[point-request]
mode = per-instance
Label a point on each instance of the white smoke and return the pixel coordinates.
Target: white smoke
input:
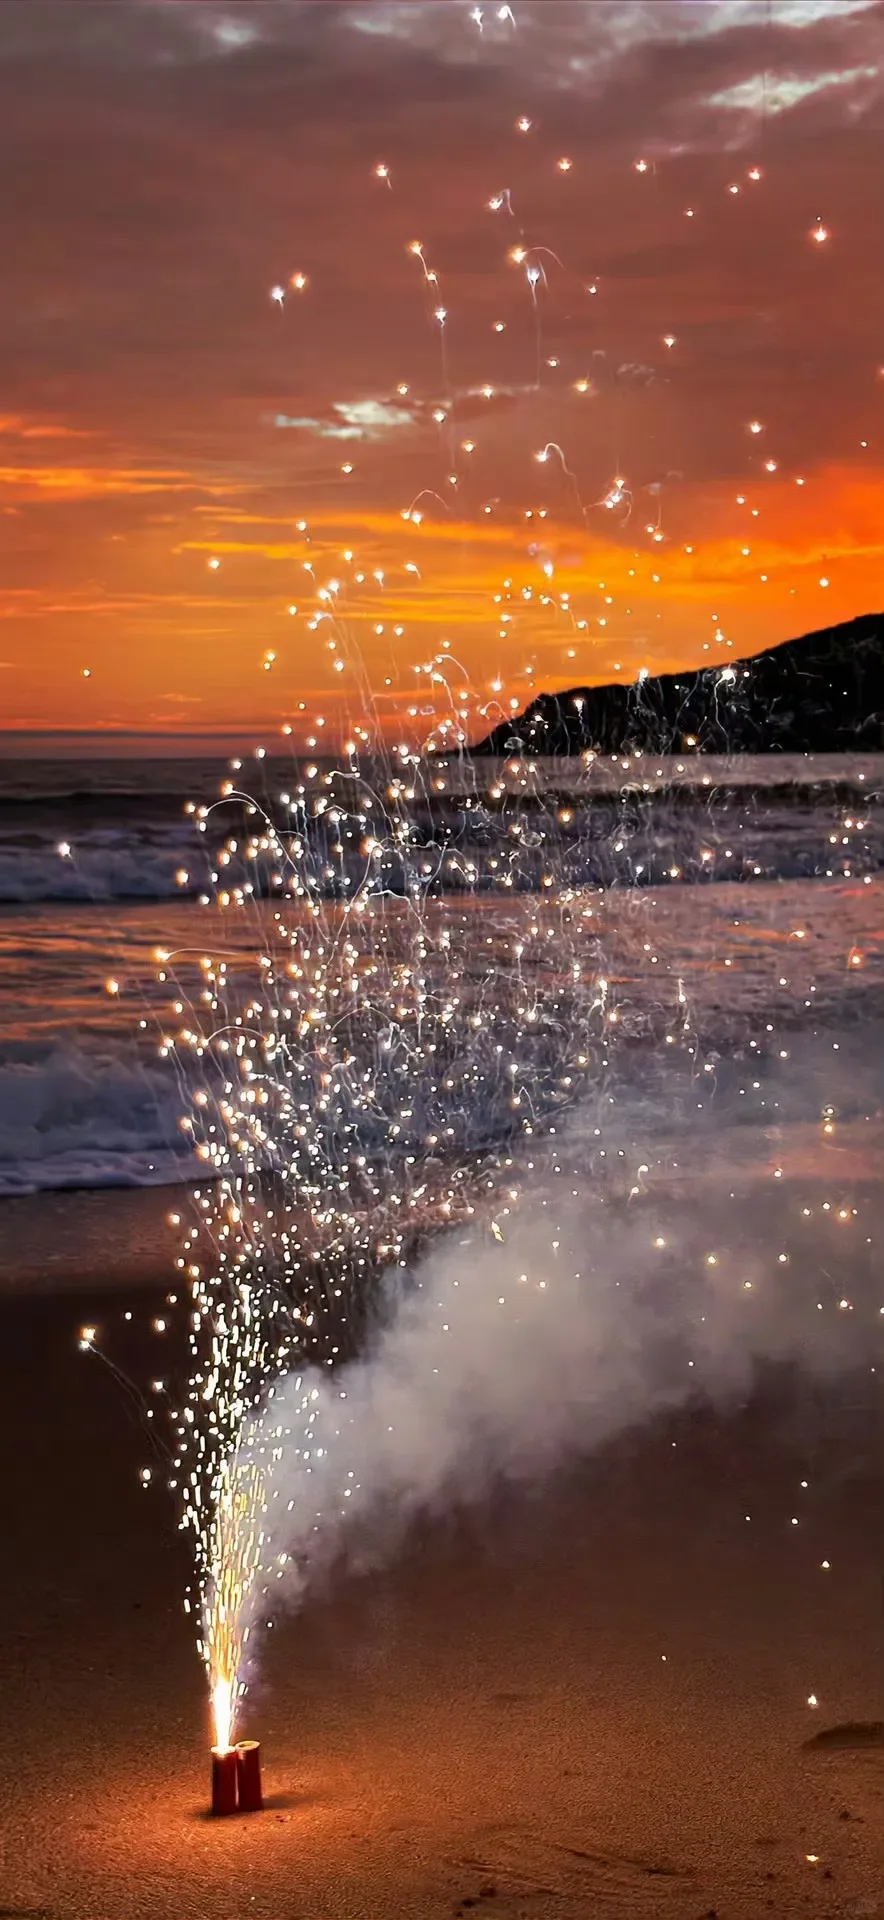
(501, 1361)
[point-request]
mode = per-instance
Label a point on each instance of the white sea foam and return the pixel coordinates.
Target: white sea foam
(76, 1118)
(622, 828)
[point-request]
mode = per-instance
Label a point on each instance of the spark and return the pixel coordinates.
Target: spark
(415, 247)
(252, 1321)
(339, 1084)
(616, 496)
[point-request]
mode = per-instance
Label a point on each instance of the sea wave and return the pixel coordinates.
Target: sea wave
(606, 840)
(75, 1115)
(72, 1117)
(101, 866)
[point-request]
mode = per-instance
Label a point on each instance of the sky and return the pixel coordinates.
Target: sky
(379, 365)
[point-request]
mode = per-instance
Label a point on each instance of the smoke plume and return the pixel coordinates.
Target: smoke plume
(499, 1361)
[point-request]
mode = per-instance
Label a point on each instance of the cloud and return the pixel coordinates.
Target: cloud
(564, 46)
(14, 426)
(587, 45)
(374, 417)
(776, 94)
(355, 420)
(230, 35)
(91, 483)
(324, 429)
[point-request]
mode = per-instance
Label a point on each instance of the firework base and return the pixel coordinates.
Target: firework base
(248, 1776)
(225, 1775)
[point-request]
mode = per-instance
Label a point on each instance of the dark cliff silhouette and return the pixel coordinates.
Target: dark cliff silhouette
(823, 693)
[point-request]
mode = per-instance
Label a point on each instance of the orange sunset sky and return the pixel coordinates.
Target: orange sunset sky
(256, 466)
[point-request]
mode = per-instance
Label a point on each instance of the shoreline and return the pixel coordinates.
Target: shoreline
(89, 1239)
(106, 1239)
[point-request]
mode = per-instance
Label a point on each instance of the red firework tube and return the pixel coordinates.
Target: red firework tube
(225, 1772)
(248, 1774)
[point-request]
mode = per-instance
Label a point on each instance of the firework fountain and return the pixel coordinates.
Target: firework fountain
(423, 994)
(369, 1095)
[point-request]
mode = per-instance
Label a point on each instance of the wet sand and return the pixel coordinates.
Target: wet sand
(588, 1701)
(88, 1239)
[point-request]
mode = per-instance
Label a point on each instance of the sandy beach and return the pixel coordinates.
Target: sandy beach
(589, 1699)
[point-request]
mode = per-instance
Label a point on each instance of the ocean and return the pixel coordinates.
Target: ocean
(747, 893)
